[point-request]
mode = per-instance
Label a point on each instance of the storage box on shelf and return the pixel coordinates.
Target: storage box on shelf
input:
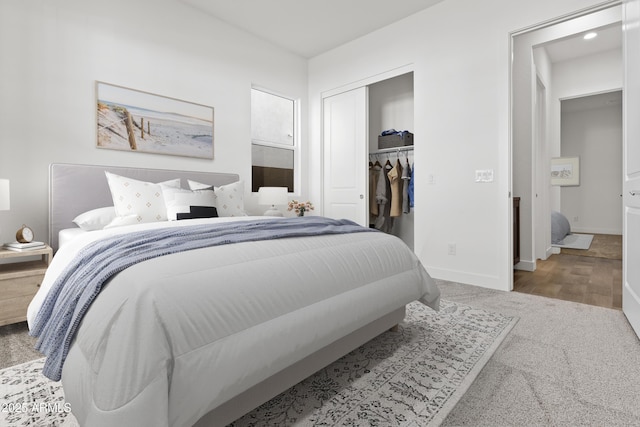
(20, 278)
(395, 140)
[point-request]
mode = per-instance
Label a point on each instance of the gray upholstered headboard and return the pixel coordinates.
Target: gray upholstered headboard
(74, 189)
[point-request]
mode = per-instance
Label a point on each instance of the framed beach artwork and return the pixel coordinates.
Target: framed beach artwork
(131, 120)
(565, 171)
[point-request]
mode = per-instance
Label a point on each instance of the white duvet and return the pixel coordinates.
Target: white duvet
(171, 338)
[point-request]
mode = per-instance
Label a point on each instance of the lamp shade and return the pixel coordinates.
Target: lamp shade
(273, 196)
(5, 199)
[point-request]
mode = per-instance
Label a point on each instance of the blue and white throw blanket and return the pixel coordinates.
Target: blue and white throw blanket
(82, 280)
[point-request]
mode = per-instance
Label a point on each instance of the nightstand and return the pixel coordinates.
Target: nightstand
(19, 281)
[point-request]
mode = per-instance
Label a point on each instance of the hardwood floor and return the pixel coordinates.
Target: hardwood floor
(586, 279)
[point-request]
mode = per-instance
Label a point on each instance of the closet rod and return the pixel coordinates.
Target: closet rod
(393, 150)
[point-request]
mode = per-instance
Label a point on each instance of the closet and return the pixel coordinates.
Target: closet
(352, 120)
(391, 107)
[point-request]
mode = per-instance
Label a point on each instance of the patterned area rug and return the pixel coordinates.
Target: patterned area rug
(410, 377)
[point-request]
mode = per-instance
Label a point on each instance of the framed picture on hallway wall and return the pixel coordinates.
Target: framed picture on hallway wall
(565, 171)
(131, 120)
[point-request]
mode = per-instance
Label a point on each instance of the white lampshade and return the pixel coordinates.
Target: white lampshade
(5, 199)
(273, 196)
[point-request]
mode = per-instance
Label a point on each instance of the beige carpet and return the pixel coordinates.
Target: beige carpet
(603, 246)
(16, 346)
(563, 364)
(409, 377)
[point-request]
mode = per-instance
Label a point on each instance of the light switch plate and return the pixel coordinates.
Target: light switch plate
(484, 175)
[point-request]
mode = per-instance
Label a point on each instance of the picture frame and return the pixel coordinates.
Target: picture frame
(565, 171)
(142, 122)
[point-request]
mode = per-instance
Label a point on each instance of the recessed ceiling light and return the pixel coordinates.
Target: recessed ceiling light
(591, 35)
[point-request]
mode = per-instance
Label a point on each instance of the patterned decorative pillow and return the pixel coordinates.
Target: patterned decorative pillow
(229, 198)
(139, 198)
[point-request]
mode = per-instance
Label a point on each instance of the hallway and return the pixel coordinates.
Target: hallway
(594, 278)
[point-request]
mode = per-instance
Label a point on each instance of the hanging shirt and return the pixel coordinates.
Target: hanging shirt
(374, 176)
(411, 185)
(383, 192)
(395, 181)
(406, 177)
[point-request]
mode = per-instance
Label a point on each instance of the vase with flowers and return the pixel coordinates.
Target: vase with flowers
(300, 207)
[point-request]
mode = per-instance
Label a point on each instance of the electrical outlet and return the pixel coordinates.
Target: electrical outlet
(576, 219)
(452, 248)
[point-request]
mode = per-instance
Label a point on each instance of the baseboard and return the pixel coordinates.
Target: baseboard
(484, 281)
(592, 230)
(554, 250)
(525, 266)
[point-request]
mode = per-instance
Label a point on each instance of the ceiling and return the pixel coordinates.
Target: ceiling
(591, 102)
(609, 37)
(310, 27)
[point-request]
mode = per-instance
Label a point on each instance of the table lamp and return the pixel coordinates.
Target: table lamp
(5, 199)
(273, 196)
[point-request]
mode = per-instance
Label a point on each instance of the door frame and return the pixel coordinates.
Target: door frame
(541, 211)
(395, 72)
(630, 166)
(530, 264)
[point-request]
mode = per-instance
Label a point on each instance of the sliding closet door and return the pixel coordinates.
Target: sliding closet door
(631, 165)
(345, 130)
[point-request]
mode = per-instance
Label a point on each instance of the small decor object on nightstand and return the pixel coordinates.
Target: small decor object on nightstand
(24, 234)
(24, 241)
(300, 207)
(21, 247)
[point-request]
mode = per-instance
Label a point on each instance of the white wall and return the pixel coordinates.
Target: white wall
(460, 55)
(593, 74)
(390, 107)
(595, 135)
(543, 67)
(598, 73)
(52, 53)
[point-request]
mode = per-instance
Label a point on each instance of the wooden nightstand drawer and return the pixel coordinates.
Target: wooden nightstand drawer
(20, 277)
(19, 286)
(14, 309)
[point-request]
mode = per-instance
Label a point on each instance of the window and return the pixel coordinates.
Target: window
(273, 141)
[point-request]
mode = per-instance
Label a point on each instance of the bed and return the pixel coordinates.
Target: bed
(201, 337)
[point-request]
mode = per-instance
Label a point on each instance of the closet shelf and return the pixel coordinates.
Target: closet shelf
(393, 150)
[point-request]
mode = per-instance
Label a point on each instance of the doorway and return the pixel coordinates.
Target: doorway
(591, 130)
(568, 67)
(552, 63)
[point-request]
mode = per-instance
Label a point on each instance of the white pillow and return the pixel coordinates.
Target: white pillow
(195, 185)
(139, 198)
(121, 221)
(229, 198)
(178, 200)
(95, 219)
